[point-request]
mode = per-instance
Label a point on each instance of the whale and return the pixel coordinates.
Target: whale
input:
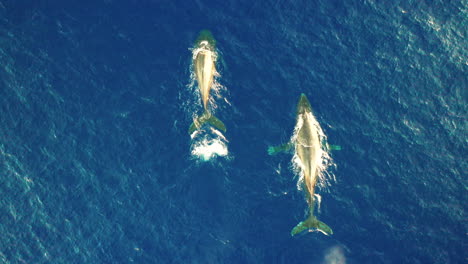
(204, 65)
(307, 147)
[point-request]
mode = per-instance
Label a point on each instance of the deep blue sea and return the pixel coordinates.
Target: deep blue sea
(96, 97)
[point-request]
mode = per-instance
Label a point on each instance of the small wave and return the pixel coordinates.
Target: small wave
(207, 145)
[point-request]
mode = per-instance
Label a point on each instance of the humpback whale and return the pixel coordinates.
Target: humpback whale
(308, 151)
(204, 60)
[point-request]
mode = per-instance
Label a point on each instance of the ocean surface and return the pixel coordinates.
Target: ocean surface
(97, 166)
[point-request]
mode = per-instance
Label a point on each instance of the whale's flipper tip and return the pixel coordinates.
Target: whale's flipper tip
(312, 223)
(273, 150)
(335, 147)
(207, 118)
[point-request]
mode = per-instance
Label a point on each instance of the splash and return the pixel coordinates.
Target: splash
(207, 145)
(195, 52)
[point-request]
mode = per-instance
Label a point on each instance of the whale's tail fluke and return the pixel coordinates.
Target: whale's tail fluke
(207, 117)
(312, 223)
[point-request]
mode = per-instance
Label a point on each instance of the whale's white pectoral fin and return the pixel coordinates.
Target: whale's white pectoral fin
(334, 147)
(331, 147)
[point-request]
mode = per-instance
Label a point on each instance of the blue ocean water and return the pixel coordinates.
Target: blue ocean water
(95, 156)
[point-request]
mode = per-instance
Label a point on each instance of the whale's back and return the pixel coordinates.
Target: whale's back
(308, 150)
(204, 70)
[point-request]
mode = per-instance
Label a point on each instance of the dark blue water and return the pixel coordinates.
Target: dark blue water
(95, 156)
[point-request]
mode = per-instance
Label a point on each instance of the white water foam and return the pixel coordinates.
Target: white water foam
(207, 145)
